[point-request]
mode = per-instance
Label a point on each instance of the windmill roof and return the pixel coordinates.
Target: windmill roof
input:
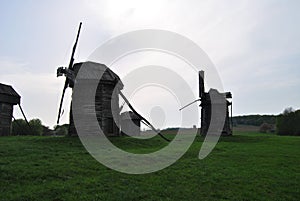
(8, 90)
(8, 94)
(129, 115)
(92, 70)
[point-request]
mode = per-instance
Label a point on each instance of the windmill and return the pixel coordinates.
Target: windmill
(106, 97)
(206, 108)
(8, 98)
(106, 100)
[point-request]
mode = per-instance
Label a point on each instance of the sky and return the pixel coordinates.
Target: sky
(254, 45)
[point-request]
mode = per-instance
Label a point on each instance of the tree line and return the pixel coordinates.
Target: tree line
(287, 123)
(35, 127)
(254, 120)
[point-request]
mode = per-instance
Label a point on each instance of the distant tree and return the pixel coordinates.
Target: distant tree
(36, 127)
(61, 130)
(47, 131)
(20, 127)
(288, 123)
(297, 122)
(288, 110)
(255, 120)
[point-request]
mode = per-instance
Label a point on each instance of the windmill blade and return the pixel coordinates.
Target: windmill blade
(67, 80)
(201, 83)
(74, 48)
(61, 103)
(189, 104)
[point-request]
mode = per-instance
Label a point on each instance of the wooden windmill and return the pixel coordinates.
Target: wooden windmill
(206, 108)
(105, 94)
(106, 98)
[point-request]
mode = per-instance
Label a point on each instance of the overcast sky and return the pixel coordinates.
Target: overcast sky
(254, 45)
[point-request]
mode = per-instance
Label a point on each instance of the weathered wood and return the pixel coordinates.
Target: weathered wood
(206, 108)
(130, 124)
(8, 98)
(106, 98)
(201, 83)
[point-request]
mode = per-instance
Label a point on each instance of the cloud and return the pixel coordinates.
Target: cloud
(9, 66)
(40, 95)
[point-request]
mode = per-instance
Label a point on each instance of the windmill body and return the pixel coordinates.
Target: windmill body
(8, 98)
(206, 108)
(106, 98)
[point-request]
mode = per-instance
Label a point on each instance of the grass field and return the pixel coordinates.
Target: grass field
(246, 166)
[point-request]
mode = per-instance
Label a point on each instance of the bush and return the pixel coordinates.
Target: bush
(265, 128)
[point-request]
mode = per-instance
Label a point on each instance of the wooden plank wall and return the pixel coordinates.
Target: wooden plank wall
(6, 112)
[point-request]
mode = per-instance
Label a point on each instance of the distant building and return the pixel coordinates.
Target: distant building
(8, 98)
(130, 124)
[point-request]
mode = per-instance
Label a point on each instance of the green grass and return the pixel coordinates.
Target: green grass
(246, 166)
